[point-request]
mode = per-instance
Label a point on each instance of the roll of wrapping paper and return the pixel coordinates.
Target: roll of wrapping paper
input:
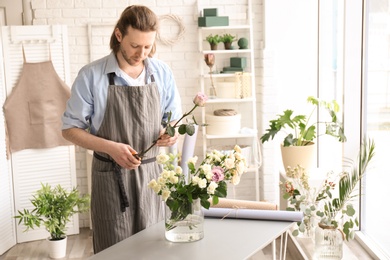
(281, 215)
(244, 204)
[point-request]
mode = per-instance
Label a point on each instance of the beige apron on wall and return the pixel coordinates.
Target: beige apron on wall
(121, 202)
(34, 108)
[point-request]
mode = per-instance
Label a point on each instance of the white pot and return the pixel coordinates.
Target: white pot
(223, 125)
(299, 155)
(57, 248)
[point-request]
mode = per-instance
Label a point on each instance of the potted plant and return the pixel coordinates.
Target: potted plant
(302, 132)
(213, 40)
(227, 40)
(53, 207)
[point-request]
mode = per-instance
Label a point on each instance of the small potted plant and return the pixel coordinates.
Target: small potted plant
(302, 131)
(227, 40)
(53, 207)
(213, 40)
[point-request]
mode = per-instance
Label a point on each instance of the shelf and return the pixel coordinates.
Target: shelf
(229, 100)
(236, 83)
(233, 27)
(231, 136)
(234, 51)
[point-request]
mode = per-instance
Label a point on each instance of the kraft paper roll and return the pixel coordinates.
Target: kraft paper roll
(244, 204)
(280, 215)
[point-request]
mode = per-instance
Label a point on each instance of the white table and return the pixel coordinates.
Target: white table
(223, 239)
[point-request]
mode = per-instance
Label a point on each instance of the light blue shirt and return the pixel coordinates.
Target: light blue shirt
(87, 103)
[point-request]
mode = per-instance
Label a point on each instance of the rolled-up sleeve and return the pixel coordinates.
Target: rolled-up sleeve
(79, 107)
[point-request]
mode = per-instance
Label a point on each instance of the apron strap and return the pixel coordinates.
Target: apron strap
(117, 169)
(111, 78)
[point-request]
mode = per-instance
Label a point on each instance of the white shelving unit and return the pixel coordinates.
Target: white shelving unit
(248, 136)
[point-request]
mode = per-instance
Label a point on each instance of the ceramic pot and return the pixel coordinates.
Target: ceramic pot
(57, 248)
(299, 155)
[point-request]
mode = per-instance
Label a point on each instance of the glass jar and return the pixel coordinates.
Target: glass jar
(186, 227)
(328, 242)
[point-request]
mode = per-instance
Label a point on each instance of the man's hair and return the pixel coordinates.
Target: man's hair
(138, 17)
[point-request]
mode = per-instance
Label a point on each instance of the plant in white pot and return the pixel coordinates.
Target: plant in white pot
(301, 131)
(53, 207)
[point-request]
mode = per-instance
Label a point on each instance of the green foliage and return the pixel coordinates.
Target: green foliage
(53, 207)
(228, 38)
(341, 205)
(304, 132)
(213, 39)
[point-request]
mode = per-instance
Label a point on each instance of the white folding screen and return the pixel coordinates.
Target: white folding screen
(31, 167)
(7, 224)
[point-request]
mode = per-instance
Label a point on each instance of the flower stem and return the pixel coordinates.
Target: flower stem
(142, 154)
(212, 82)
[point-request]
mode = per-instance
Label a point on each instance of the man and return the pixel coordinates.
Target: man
(121, 101)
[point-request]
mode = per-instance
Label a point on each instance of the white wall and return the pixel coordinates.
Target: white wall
(182, 57)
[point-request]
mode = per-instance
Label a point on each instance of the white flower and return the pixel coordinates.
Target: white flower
(162, 158)
(161, 181)
(238, 156)
(165, 174)
(178, 170)
(154, 186)
(237, 149)
(195, 180)
(207, 171)
(165, 194)
(173, 179)
(193, 160)
(229, 163)
(240, 167)
(202, 183)
(236, 179)
(211, 188)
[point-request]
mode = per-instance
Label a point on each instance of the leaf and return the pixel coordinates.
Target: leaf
(190, 129)
(170, 130)
(182, 129)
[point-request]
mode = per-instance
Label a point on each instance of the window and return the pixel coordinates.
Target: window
(376, 121)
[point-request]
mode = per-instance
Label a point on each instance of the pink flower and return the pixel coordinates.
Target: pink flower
(217, 174)
(200, 99)
(209, 59)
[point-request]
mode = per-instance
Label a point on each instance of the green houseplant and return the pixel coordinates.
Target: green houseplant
(213, 40)
(303, 130)
(227, 40)
(298, 146)
(53, 207)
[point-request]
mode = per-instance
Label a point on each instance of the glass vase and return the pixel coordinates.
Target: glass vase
(328, 242)
(187, 227)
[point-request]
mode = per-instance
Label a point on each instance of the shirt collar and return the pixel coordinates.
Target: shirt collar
(113, 66)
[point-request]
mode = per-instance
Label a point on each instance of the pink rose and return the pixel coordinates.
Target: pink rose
(209, 59)
(200, 99)
(217, 174)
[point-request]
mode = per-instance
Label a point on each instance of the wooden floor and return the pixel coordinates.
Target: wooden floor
(80, 247)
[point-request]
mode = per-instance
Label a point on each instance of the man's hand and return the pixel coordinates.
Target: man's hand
(123, 154)
(166, 140)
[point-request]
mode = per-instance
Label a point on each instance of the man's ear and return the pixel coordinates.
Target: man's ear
(118, 34)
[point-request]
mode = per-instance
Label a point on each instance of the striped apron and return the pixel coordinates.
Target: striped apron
(121, 202)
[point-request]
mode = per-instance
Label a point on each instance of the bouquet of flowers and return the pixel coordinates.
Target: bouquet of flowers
(208, 182)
